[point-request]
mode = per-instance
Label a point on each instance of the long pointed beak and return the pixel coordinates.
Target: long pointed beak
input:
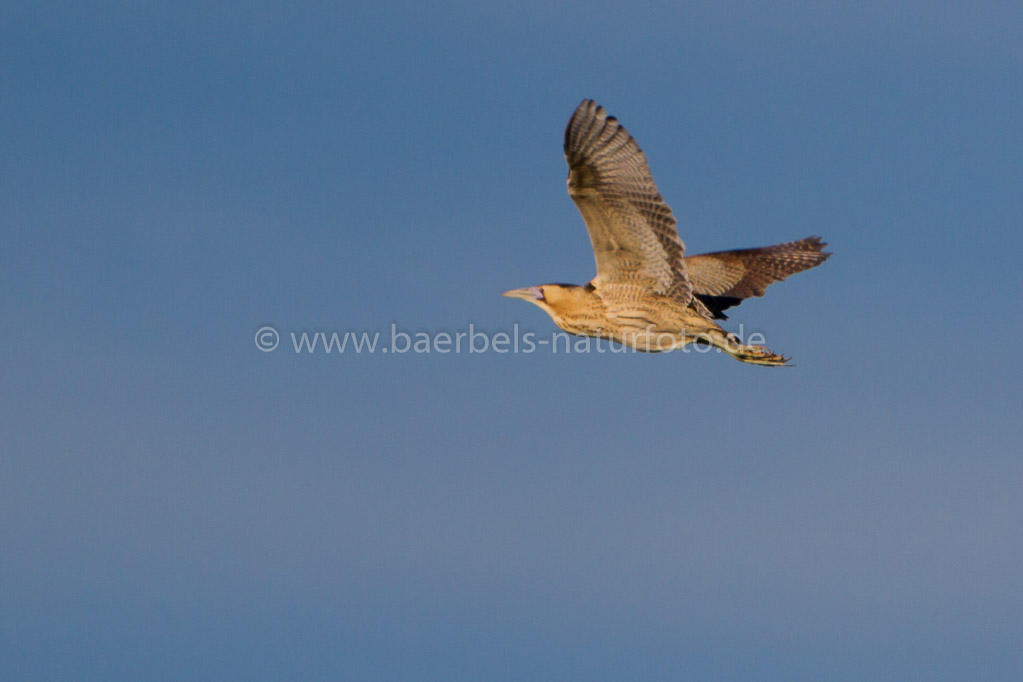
(526, 294)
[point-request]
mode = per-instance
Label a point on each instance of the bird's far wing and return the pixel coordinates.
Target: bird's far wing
(632, 229)
(724, 278)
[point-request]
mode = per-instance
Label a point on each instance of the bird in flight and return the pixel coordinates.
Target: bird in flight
(648, 294)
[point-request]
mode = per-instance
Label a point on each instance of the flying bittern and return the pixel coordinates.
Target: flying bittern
(647, 293)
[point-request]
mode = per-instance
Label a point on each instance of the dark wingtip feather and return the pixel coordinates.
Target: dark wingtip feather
(818, 244)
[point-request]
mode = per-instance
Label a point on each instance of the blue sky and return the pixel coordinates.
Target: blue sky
(176, 504)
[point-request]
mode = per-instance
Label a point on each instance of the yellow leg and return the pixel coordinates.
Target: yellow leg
(729, 343)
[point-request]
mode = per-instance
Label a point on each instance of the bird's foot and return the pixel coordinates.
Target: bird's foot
(759, 355)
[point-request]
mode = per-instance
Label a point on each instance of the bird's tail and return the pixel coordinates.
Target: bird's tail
(730, 343)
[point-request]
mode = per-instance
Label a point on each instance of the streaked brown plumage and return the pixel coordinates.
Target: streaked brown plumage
(647, 293)
(724, 278)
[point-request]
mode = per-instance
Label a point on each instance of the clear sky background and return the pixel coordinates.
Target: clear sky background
(176, 504)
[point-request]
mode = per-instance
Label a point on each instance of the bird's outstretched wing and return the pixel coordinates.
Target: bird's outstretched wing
(724, 278)
(632, 229)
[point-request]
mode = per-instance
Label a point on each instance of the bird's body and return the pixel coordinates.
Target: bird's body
(647, 294)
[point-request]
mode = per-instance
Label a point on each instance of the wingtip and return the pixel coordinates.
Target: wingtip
(821, 245)
(818, 244)
(587, 117)
(587, 107)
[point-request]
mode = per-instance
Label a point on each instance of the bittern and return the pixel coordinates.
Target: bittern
(648, 294)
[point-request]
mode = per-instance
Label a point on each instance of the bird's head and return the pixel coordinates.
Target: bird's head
(561, 301)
